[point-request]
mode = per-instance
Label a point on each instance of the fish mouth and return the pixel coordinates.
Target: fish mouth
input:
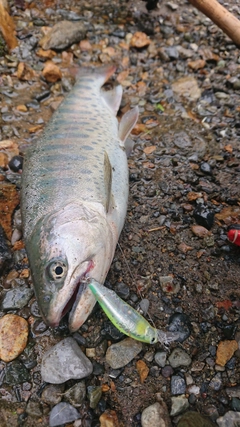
(79, 288)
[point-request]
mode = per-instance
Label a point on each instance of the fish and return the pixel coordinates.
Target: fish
(126, 319)
(74, 196)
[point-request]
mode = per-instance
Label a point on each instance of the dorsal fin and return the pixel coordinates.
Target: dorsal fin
(107, 180)
(113, 98)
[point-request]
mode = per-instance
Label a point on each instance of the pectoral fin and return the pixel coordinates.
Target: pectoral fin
(126, 124)
(107, 180)
(113, 98)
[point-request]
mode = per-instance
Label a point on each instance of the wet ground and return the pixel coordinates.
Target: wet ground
(184, 172)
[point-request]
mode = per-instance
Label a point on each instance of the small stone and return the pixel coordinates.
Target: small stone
(179, 405)
(109, 419)
(200, 231)
(179, 357)
(52, 394)
(51, 72)
(65, 361)
(194, 419)
(172, 52)
(155, 415)
(63, 413)
(16, 373)
(94, 394)
(33, 409)
(167, 371)
(178, 385)
(230, 419)
(13, 336)
(235, 404)
(160, 358)
(225, 351)
(16, 298)
(76, 394)
(203, 216)
(187, 87)
(206, 168)
(168, 285)
(5, 253)
(140, 40)
(216, 382)
(120, 354)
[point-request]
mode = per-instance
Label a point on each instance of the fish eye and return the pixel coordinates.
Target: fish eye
(57, 270)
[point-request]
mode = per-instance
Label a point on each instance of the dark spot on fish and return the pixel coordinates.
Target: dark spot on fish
(86, 147)
(86, 171)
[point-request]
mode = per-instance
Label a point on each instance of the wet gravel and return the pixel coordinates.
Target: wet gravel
(174, 262)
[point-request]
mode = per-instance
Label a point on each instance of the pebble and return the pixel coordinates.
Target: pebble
(76, 394)
(178, 385)
(155, 415)
(230, 419)
(225, 351)
(94, 394)
(206, 168)
(63, 35)
(179, 357)
(203, 216)
(194, 419)
(167, 371)
(16, 298)
(235, 404)
(179, 404)
(109, 419)
(16, 373)
(200, 231)
(179, 322)
(13, 336)
(120, 354)
(160, 358)
(5, 253)
(187, 87)
(216, 382)
(63, 413)
(52, 394)
(16, 163)
(34, 409)
(123, 290)
(65, 361)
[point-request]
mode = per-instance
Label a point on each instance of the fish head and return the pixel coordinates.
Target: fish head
(65, 248)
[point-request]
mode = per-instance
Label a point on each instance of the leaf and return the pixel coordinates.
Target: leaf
(159, 107)
(226, 304)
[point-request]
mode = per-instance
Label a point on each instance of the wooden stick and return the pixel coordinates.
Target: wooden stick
(221, 17)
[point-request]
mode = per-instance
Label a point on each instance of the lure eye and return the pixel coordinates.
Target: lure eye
(57, 270)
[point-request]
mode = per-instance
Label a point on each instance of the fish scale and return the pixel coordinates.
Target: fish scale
(74, 196)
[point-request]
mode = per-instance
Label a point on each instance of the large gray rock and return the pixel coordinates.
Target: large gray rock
(230, 419)
(62, 35)
(65, 361)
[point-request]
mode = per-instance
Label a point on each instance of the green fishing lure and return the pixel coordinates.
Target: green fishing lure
(127, 319)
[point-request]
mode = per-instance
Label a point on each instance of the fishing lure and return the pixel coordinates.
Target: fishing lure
(126, 319)
(234, 234)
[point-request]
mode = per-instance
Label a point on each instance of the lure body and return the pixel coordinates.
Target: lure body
(122, 315)
(234, 234)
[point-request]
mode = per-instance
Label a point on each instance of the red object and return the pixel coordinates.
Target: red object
(234, 234)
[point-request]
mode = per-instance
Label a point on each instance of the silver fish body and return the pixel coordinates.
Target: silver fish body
(74, 197)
